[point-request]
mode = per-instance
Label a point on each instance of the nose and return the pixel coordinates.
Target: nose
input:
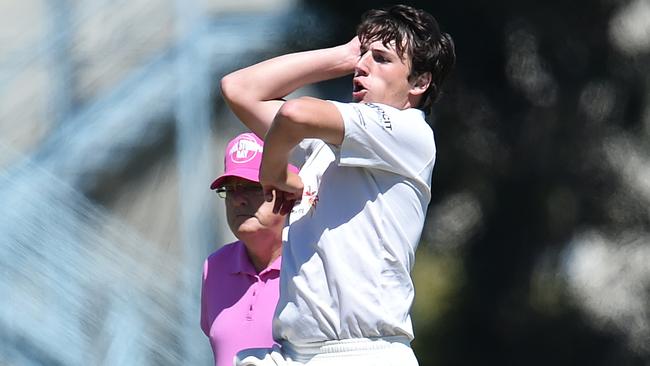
(238, 198)
(361, 68)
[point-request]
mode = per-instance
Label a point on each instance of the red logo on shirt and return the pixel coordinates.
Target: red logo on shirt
(312, 197)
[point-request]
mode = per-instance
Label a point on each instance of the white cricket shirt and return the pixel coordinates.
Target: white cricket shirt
(350, 245)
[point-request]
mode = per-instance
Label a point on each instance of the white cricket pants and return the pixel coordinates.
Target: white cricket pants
(386, 351)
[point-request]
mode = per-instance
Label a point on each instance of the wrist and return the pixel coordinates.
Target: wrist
(348, 56)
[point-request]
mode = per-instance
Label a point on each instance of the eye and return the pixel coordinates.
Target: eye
(252, 189)
(378, 57)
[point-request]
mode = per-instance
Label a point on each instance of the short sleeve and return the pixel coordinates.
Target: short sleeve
(382, 137)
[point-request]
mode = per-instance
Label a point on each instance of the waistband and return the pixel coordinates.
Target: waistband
(344, 345)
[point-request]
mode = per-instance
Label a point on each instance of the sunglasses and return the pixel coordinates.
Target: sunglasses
(248, 189)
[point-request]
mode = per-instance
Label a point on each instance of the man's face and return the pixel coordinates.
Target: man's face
(381, 76)
(248, 214)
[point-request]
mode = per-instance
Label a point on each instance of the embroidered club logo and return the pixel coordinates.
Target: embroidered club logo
(244, 150)
(312, 199)
(307, 203)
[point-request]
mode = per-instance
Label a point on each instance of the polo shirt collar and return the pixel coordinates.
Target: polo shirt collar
(242, 264)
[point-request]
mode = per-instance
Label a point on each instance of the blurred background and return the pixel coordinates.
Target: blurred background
(536, 249)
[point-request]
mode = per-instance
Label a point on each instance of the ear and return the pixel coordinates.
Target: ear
(421, 83)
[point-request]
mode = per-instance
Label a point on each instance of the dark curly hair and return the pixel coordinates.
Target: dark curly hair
(416, 34)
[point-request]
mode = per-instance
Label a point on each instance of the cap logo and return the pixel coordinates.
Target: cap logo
(244, 150)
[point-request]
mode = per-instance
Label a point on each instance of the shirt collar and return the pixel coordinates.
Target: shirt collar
(242, 264)
(415, 111)
(275, 265)
(418, 112)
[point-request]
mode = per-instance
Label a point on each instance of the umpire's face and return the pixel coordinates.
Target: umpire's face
(250, 217)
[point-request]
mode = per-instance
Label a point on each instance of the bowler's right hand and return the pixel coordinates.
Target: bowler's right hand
(288, 189)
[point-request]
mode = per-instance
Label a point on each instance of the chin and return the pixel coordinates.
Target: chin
(246, 226)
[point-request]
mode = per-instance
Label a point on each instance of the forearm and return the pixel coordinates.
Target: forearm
(279, 76)
(282, 136)
(254, 93)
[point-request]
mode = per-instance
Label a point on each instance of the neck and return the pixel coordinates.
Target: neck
(262, 254)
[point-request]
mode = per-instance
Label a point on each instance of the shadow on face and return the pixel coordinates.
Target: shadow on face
(247, 212)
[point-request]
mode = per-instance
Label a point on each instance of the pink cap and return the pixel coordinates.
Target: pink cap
(243, 157)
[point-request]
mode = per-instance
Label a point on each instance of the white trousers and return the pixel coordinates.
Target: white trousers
(386, 351)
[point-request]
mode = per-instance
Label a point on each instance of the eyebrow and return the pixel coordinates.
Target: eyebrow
(382, 52)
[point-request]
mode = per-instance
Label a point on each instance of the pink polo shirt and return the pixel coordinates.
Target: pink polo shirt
(237, 304)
